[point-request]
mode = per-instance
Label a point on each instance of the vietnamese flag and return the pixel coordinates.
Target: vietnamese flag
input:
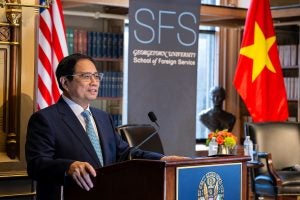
(258, 77)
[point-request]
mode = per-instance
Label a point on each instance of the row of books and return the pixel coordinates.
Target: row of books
(111, 106)
(292, 88)
(111, 85)
(95, 44)
(289, 55)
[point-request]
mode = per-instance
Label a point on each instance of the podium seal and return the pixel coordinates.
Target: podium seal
(211, 187)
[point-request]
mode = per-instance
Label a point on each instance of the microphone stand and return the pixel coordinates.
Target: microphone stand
(139, 145)
(130, 150)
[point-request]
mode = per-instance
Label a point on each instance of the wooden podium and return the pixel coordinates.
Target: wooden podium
(159, 180)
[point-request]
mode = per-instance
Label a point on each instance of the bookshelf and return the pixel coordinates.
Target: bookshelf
(288, 47)
(102, 39)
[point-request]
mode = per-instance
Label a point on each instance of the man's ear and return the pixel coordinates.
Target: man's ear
(64, 82)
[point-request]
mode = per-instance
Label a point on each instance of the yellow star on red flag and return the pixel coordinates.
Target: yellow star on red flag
(258, 51)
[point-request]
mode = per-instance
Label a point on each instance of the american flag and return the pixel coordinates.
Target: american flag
(52, 48)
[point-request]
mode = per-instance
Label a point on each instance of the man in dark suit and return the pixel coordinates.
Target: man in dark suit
(58, 148)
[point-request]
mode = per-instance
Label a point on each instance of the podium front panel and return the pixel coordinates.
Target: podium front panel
(220, 181)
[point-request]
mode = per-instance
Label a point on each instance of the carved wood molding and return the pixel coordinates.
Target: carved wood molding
(4, 34)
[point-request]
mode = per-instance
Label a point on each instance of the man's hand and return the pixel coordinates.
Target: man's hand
(174, 158)
(80, 172)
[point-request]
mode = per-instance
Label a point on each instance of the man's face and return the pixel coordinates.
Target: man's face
(217, 98)
(82, 90)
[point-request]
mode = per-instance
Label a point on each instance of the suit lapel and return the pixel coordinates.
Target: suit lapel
(72, 122)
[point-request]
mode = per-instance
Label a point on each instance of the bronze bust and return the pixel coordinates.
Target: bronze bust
(216, 118)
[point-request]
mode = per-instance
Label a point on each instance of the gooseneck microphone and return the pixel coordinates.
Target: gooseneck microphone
(153, 118)
(129, 151)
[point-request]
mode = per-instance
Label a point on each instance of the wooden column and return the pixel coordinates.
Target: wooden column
(13, 14)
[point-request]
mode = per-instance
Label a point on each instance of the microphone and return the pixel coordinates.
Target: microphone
(153, 118)
(129, 151)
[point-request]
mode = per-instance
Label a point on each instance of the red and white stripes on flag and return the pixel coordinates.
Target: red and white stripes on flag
(52, 48)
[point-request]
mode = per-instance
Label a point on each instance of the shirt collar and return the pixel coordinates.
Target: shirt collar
(76, 108)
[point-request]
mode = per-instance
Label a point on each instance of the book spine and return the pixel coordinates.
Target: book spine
(68, 39)
(115, 47)
(94, 44)
(120, 92)
(104, 45)
(90, 43)
(84, 42)
(75, 47)
(109, 45)
(80, 41)
(109, 84)
(99, 44)
(71, 41)
(120, 45)
(114, 79)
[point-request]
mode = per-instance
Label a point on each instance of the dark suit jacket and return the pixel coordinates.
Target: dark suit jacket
(56, 138)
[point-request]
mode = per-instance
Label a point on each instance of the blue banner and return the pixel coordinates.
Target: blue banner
(210, 182)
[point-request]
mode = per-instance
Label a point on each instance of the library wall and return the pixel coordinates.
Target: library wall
(26, 80)
(102, 39)
(13, 175)
(288, 48)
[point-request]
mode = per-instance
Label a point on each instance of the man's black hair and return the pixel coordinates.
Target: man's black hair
(67, 66)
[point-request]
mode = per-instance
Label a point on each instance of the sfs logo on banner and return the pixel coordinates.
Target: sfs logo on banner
(147, 33)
